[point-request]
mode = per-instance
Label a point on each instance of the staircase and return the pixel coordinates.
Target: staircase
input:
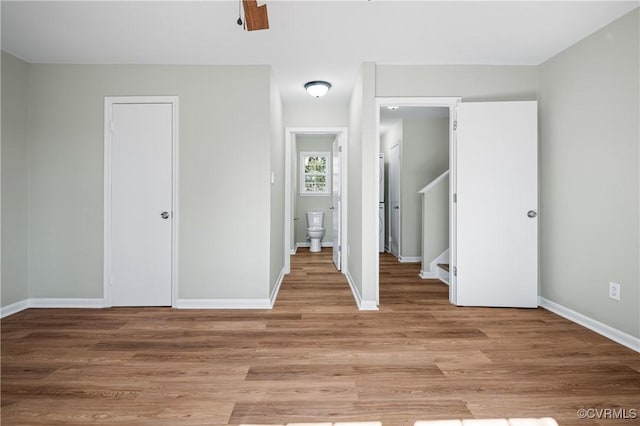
(435, 229)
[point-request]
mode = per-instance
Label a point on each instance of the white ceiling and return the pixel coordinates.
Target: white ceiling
(308, 40)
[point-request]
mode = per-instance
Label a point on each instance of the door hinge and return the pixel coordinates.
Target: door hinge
(339, 248)
(455, 271)
(340, 148)
(112, 126)
(455, 125)
(455, 198)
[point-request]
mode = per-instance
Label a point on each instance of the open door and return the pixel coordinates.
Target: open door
(336, 204)
(496, 204)
(394, 200)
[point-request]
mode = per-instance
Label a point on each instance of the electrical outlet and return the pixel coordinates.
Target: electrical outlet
(614, 291)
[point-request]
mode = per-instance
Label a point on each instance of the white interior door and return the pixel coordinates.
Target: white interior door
(394, 200)
(497, 204)
(336, 202)
(141, 204)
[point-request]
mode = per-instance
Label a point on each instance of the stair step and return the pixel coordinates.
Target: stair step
(444, 266)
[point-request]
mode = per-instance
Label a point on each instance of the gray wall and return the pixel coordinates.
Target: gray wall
(589, 162)
(362, 207)
(305, 203)
(14, 154)
(424, 155)
(354, 186)
(472, 82)
(225, 191)
(318, 114)
(276, 238)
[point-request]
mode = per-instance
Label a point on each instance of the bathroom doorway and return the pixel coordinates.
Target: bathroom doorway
(316, 181)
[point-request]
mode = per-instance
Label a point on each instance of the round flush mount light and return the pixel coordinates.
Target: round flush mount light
(317, 88)
(392, 108)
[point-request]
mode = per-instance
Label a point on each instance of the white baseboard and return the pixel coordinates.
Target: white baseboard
(368, 305)
(363, 305)
(14, 308)
(223, 304)
(276, 288)
(47, 302)
(607, 331)
(409, 259)
(427, 275)
(322, 244)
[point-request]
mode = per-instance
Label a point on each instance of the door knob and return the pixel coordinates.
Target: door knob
(532, 214)
(164, 215)
(331, 208)
(396, 208)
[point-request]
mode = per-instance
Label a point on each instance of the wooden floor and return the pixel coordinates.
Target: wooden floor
(313, 358)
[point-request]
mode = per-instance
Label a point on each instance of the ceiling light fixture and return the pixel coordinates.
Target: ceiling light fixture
(392, 108)
(317, 88)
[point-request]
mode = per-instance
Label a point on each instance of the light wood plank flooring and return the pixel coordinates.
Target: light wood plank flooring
(313, 358)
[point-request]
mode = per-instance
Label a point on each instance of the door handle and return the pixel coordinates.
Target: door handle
(532, 213)
(396, 208)
(164, 215)
(331, 208)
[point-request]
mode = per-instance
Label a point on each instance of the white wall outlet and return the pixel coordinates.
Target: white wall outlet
(614, 291)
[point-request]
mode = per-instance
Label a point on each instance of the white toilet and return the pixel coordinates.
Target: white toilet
(315, 231)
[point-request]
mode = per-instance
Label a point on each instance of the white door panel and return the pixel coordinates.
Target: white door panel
(336, 203)
(394, 200)
(141, 190)
(497, 185)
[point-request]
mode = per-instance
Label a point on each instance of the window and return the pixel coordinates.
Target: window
(314, 173)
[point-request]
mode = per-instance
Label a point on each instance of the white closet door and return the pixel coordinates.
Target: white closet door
(141, 200)
(497, 204)
(394, 200)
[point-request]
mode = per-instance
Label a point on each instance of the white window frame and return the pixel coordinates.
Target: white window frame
(328, 157)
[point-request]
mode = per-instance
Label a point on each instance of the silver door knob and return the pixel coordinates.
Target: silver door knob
(532, 214)
(396, 208)
(331, 208)
(164, 215)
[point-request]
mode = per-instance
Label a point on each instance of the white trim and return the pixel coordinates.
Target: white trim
(450, 102)
(223, 304)
(46, 302)
(427, 275)
(109, 101)
(605, 330)
(409, 259)
(369, 305)
(322, 244)
(276, 289)
(14, 308)
(363, 305)
(434, 182)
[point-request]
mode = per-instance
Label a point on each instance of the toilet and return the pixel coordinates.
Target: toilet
(315, 231)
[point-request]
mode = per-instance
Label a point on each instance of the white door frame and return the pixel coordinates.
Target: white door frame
(399, 171)
(109, 101)
(450, 102)
(290, 134)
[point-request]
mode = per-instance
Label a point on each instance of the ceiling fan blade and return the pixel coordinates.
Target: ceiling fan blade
(255, 16)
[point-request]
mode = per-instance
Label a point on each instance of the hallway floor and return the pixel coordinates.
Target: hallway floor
(313, 358)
